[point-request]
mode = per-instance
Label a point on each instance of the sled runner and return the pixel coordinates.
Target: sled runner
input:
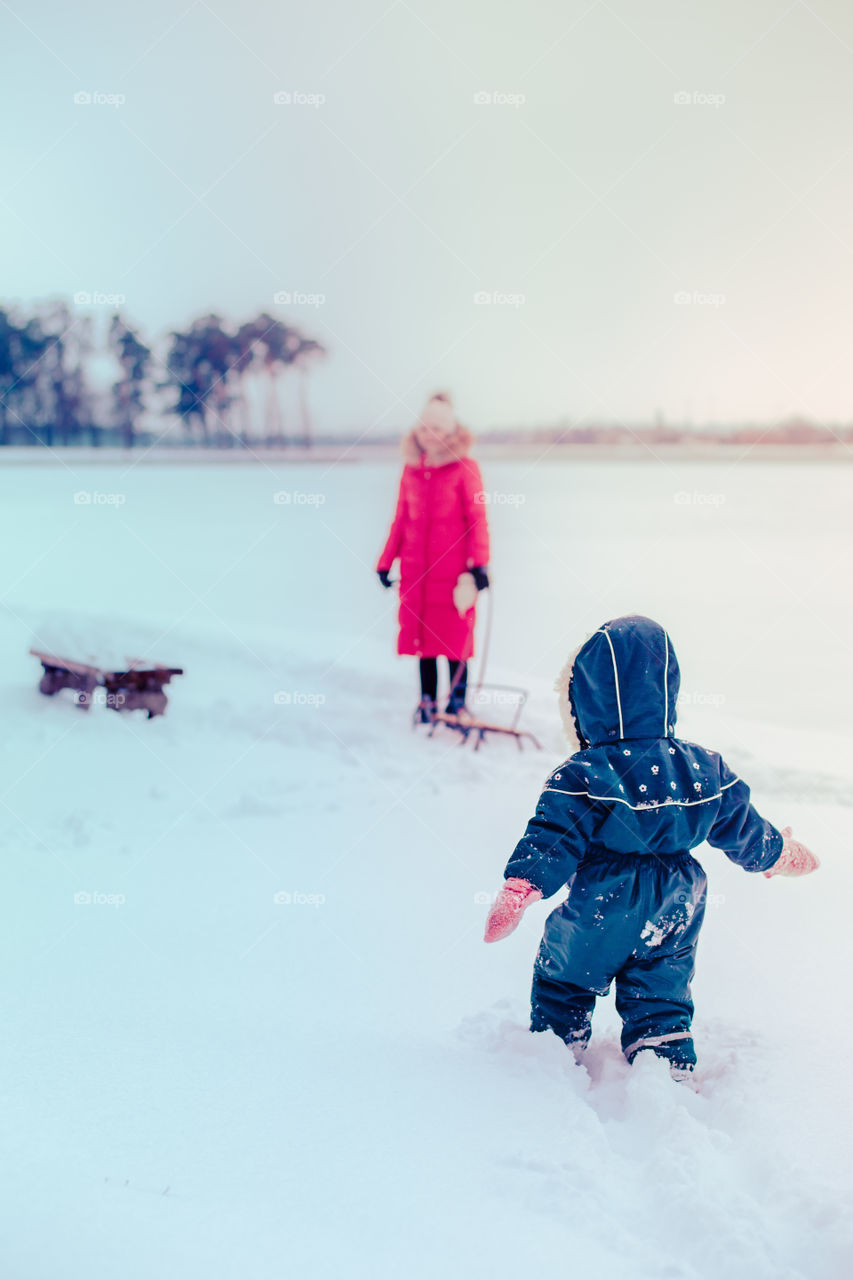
(137, 687)
(468, 725)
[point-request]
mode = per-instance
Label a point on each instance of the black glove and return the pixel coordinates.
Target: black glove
(382, 575)
(481, 578)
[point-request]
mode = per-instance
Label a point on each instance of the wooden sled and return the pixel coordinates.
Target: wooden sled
(468, 725)
(138, 687)
(475, 727)
(62, 673)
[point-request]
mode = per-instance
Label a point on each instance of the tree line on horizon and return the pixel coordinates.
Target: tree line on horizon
(50, 394)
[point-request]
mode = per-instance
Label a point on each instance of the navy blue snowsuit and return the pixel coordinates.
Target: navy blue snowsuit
(616, 822)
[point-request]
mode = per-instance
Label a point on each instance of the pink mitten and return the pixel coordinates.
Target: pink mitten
(794, 860)
(510, 904)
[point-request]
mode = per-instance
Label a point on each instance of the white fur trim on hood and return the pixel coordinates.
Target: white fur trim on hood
(457, 445)
(561, 687)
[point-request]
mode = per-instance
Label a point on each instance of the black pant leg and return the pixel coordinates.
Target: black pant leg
(458, 684)
(563, 1007)
(429, 678)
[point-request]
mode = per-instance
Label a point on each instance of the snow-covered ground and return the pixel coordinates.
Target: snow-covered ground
(272, 1043)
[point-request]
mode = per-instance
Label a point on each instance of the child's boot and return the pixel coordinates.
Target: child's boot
(425, 711)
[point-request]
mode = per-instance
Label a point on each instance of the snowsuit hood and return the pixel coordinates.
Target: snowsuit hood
(621, 683)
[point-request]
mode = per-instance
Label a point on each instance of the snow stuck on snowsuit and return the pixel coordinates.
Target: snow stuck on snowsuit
(616, 822)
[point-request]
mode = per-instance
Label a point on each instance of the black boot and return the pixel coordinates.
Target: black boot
(425, 711)
(458, 687)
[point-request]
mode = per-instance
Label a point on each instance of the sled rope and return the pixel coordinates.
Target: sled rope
(481, 673)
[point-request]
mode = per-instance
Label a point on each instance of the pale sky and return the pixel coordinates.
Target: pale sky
(583, 198)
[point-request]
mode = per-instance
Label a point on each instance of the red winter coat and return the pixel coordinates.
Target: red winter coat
(439, 530)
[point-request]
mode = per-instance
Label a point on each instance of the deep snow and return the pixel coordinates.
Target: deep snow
(202, 1080)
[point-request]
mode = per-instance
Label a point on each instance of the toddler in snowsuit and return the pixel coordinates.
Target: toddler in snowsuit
(617, 822)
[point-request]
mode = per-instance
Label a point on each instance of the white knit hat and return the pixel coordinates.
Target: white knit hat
(438, 413)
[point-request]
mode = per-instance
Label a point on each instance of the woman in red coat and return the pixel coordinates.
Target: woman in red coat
(441, 537)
